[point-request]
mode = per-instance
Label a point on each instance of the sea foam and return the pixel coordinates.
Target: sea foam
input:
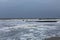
(21, 30)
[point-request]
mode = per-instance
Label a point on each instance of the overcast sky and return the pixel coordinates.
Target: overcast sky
(29, 8)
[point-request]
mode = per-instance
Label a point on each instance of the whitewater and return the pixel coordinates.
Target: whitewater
(22, 30)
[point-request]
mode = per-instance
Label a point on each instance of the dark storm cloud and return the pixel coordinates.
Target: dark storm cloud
(29, 8)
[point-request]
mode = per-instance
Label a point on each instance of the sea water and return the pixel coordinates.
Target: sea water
(21, 30)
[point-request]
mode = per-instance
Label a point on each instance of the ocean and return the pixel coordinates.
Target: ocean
(16, 29)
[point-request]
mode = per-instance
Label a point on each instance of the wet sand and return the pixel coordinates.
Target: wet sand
(53, 38)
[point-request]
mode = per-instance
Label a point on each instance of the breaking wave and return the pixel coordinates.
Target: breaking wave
(21, 30)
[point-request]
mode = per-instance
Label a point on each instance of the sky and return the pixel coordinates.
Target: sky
(29, 8)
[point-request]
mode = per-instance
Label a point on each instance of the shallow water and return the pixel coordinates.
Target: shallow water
(20, 30)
